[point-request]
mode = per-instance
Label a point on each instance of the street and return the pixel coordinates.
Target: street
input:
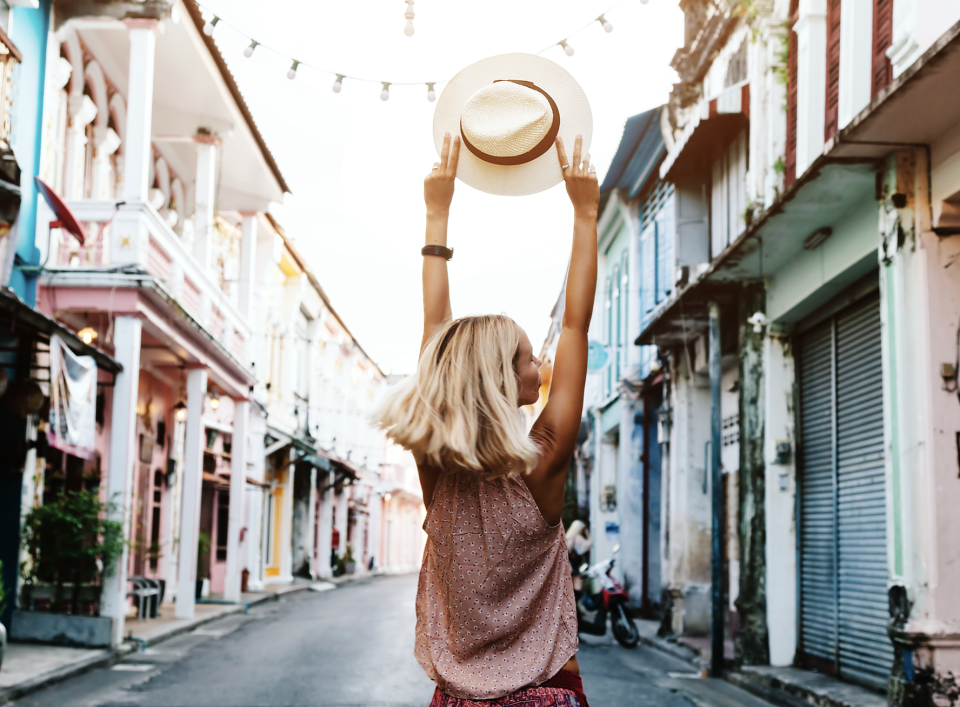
(348, 646)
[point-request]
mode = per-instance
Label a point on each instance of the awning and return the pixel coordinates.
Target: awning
(687, 316)
(25, 318)
(640, 151)
(290, 438)
(719, 121)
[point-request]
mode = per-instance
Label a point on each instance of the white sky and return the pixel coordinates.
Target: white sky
(356, 163)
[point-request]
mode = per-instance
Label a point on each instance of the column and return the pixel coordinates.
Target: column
(137, 148)
(325, 523)
(192, 489)
(82, 112)
(342, 514)
(811, 29)
(286, 524)
(780, 488)
(238, 482)
(128, 233)
(206, 195)
(123, 424)
(921, 416)
(309, 545)
(856, 58)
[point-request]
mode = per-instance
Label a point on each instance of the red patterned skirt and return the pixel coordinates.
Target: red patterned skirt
(565, 689)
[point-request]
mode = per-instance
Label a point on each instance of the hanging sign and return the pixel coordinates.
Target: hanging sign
(597, 357)
(73, 400)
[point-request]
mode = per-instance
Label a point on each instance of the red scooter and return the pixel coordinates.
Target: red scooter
(606, 598)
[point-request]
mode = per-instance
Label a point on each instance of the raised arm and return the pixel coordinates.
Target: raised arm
(438, 193)
(556, 429)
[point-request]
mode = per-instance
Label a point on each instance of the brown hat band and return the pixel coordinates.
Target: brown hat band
(531, 154)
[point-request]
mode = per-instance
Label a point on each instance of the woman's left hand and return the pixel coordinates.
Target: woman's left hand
(438, 185)
(580, 178)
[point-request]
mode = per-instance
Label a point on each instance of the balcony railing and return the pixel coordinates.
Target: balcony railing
(164, 256)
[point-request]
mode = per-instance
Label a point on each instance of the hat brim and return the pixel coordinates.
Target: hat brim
(538, 174)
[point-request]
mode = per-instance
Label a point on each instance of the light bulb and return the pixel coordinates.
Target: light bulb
(566, 47)
(431, 94)
(338, 84)
(248, 52)
(644, 2)
(209, 27)
(607, 27)
(409, 30)
(180, 411)
(87, 334)
(292, 73)
(214, 400)
(385, 93)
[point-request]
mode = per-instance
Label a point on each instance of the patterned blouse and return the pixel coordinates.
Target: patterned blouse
(495, 607)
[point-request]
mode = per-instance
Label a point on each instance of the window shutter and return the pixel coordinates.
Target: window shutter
(882, 39)
(790, 155)
(830, 124)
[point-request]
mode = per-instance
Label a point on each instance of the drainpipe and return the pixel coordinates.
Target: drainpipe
(716, 488)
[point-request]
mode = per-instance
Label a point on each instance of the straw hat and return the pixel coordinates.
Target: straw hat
(508, 110)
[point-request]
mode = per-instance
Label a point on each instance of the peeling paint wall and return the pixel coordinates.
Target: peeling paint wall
(751, 639)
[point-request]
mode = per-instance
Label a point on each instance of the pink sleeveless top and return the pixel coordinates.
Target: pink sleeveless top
(495, 607)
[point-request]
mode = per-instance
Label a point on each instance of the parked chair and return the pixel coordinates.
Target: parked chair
(146, 593)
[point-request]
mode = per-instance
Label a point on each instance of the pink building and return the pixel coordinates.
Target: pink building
(154, 149)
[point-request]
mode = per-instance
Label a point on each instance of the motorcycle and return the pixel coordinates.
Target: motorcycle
(607, 599)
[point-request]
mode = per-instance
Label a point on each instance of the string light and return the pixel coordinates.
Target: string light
(210, 26)
(408, 30)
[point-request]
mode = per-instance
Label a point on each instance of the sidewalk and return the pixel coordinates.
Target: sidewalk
(784, 686)
(29, 667)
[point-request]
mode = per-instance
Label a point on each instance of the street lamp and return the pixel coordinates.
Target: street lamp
(214, 400)
(180, 411)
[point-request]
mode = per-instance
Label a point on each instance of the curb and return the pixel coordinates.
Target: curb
(767, 688)
(105, 658)
(110, 656)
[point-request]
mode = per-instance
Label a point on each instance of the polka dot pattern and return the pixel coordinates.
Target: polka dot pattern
(495, 607)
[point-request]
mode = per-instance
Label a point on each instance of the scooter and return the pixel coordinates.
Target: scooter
(608, 598)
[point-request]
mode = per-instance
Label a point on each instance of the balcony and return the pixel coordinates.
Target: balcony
(133, 237)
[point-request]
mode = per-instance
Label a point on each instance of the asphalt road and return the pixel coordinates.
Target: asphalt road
(349, 646)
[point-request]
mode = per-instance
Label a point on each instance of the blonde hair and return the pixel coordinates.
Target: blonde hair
(460, 407)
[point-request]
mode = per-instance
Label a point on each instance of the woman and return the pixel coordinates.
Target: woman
(495, 607)
(578, 545)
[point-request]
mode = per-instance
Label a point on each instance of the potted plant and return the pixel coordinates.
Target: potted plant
(203, 550)
(348, 562)
(71, 544)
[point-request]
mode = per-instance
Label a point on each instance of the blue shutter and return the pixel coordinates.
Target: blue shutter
(648, 264)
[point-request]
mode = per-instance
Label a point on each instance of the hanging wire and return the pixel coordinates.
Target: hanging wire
(220, 21)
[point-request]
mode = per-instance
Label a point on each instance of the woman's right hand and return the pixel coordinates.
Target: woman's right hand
(438, 185)
(580, 178)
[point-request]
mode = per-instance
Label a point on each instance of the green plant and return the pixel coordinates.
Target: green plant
(780, 166)
(71, 540)
(348, 557)
(782, 68)
(203, 548)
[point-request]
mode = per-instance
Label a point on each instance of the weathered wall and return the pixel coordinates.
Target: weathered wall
(752, 646)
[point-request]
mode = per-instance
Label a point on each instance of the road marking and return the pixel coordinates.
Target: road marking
(211, 633)
(133, 667)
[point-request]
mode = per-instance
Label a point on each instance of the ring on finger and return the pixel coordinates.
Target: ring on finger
(566, 166)
(436, 166)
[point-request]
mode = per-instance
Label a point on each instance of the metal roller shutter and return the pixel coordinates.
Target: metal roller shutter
(843, 549)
